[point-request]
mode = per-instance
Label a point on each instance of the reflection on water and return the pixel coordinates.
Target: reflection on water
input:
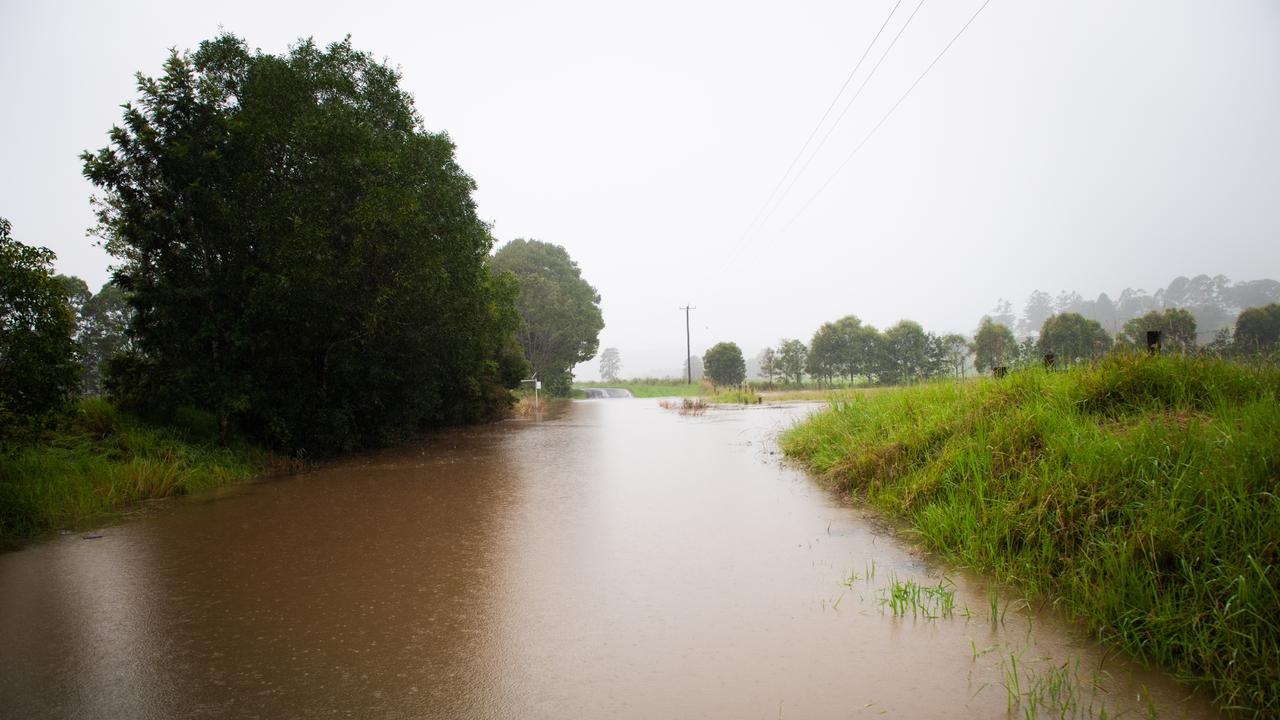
(614, 560)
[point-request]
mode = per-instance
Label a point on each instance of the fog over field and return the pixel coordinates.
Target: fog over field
(676, 149)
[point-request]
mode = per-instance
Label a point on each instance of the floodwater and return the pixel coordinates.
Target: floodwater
(601, 393)
(614, 560)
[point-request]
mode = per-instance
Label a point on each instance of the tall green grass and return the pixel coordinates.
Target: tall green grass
(1141, 493)
(99, 461)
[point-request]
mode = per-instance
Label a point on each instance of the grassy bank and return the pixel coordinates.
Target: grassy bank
(99, 461)
(1140, 493)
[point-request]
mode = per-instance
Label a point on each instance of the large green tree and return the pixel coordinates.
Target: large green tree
(791, 358)
(560, 318)
(1258, 329)
(993, 345)
(844, 348)
(1071, 337)
(1177, 329)
(828, 353)
(723, 364)
(302, 256)
(38, 368)
(909, 353)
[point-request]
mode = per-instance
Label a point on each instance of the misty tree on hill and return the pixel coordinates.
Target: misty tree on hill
(1038, 308)
(610, 364)
(723, 364)
(1214, 302)
(560, 319)
(768, 362)
(38, 368)
(1072, 337)
(1003, 314)
(1258, 329)
(993, 345)
(1177, 329)
(303, 258)
(691, 368)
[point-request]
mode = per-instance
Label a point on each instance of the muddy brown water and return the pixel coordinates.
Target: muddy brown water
(613, 560)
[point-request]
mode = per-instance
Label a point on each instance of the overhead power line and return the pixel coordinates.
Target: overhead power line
(852, 100)
(885, 117)
(826, 113)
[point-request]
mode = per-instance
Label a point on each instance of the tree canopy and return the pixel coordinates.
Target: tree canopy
(993, 345)
(843, 348)
(1258, 329)
(38, 368)
(790, 360)
(724, 365)
(955, 352)
(1072, 337)
(301, 256)
(103, 334)
(1177, 329)
(909, 353)
(560, 318)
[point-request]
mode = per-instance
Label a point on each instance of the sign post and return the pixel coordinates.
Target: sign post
(537, 385)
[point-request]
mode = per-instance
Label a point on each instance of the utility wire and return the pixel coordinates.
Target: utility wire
(813, 133)
(849, 104)
(885, 117)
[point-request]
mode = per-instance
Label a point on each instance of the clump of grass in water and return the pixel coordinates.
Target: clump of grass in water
(1053, 693)
(928, 601)
(1138, 492)
(686, 406)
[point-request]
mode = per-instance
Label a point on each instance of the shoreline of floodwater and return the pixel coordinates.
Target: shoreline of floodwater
(1139, 492)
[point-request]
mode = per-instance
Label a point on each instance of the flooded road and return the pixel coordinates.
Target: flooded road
(615, 560)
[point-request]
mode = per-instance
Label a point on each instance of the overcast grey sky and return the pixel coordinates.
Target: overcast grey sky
(1088, 146)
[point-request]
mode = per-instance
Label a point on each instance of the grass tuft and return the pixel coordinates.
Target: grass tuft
(930, 602)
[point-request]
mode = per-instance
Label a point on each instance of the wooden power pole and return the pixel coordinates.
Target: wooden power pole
(688, 349)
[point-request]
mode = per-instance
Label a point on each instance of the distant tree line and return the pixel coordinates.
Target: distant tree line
(848, 351)
(297, 257)
(1071, 337)
(1214, 302)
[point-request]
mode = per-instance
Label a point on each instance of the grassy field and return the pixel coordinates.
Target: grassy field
(101, 461)
(1141, 493)
(648, 387)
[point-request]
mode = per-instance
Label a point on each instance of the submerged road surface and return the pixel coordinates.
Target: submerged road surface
(594, 393)
(614, 561)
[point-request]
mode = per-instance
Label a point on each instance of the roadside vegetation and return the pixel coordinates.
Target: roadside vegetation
(1139, 492)
(93, 461)
(299, 265)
